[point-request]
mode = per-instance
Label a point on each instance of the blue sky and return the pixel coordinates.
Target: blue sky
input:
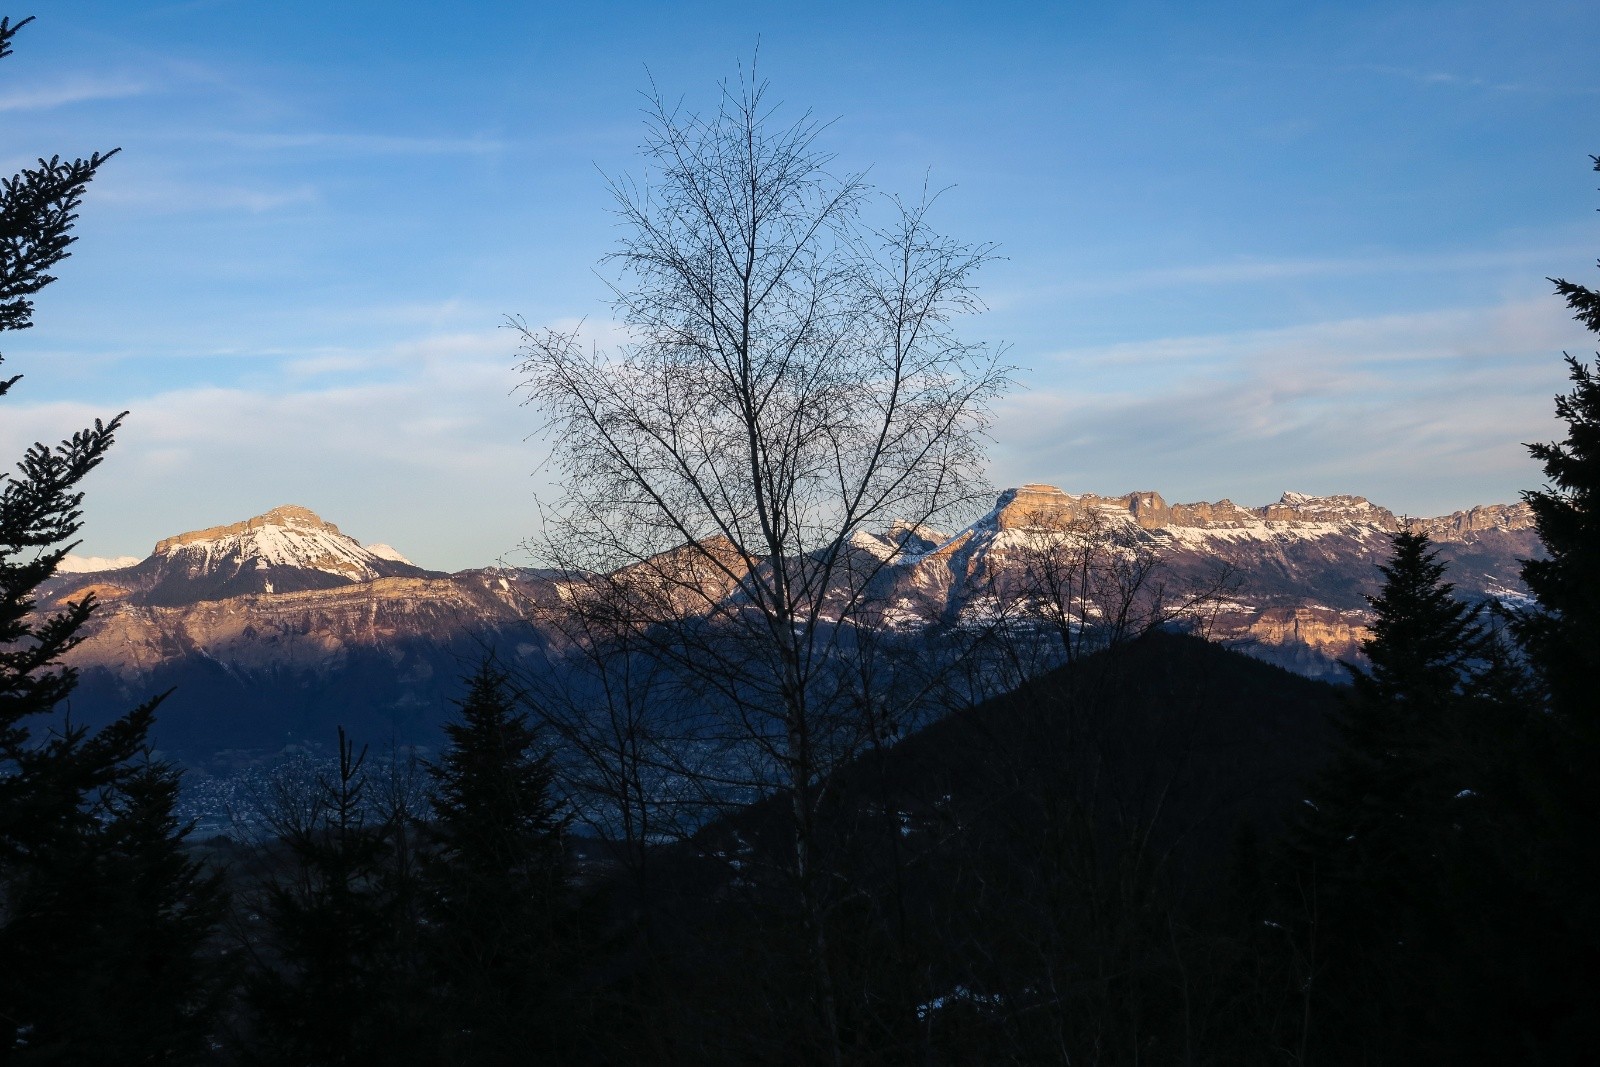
(1249, 246)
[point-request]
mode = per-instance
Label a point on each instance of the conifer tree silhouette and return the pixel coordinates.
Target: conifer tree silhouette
(1563, 635)
(102, 917)
(497, 882)
(334, 983)
(1370, 852)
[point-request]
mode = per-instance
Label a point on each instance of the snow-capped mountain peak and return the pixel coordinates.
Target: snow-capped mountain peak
(285, 550)
(287, 536)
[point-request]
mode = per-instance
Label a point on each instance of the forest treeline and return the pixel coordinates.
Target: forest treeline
(780, 836)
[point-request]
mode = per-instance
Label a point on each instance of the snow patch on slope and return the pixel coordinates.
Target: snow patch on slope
(1266, 530)
(388, 552)
(94, 564)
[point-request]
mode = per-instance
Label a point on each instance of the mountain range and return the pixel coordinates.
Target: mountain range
(273, 629)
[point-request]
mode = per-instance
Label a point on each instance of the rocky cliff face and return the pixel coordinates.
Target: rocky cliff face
(1311, 640)
(281, 624)
(1466, 526)
(1289, 580)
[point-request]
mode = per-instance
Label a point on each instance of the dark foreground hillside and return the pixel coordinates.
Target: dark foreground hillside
(1062, 872)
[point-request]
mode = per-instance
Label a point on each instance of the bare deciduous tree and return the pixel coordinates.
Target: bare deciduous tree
(793, 382)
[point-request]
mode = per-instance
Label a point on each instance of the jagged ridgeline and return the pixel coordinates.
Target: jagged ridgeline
(1290, 578)
(274, 628)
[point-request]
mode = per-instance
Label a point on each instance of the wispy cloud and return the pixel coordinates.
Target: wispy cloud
(360, 143)
(440, 355)
(1428, 77)
(185, 197)
(1254, 271)
(422, 443)
(1424, 412)
(1386, 343)
(430, 457)
(600, 334)
(71, 91)
(1447, 79)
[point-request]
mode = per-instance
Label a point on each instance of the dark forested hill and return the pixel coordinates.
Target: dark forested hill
(1063, 864)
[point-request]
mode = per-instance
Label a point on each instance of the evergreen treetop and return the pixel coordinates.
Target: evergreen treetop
(1562, 636)
(492, 798)
(1423, 639)
(1426, 654)
(496, 878)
